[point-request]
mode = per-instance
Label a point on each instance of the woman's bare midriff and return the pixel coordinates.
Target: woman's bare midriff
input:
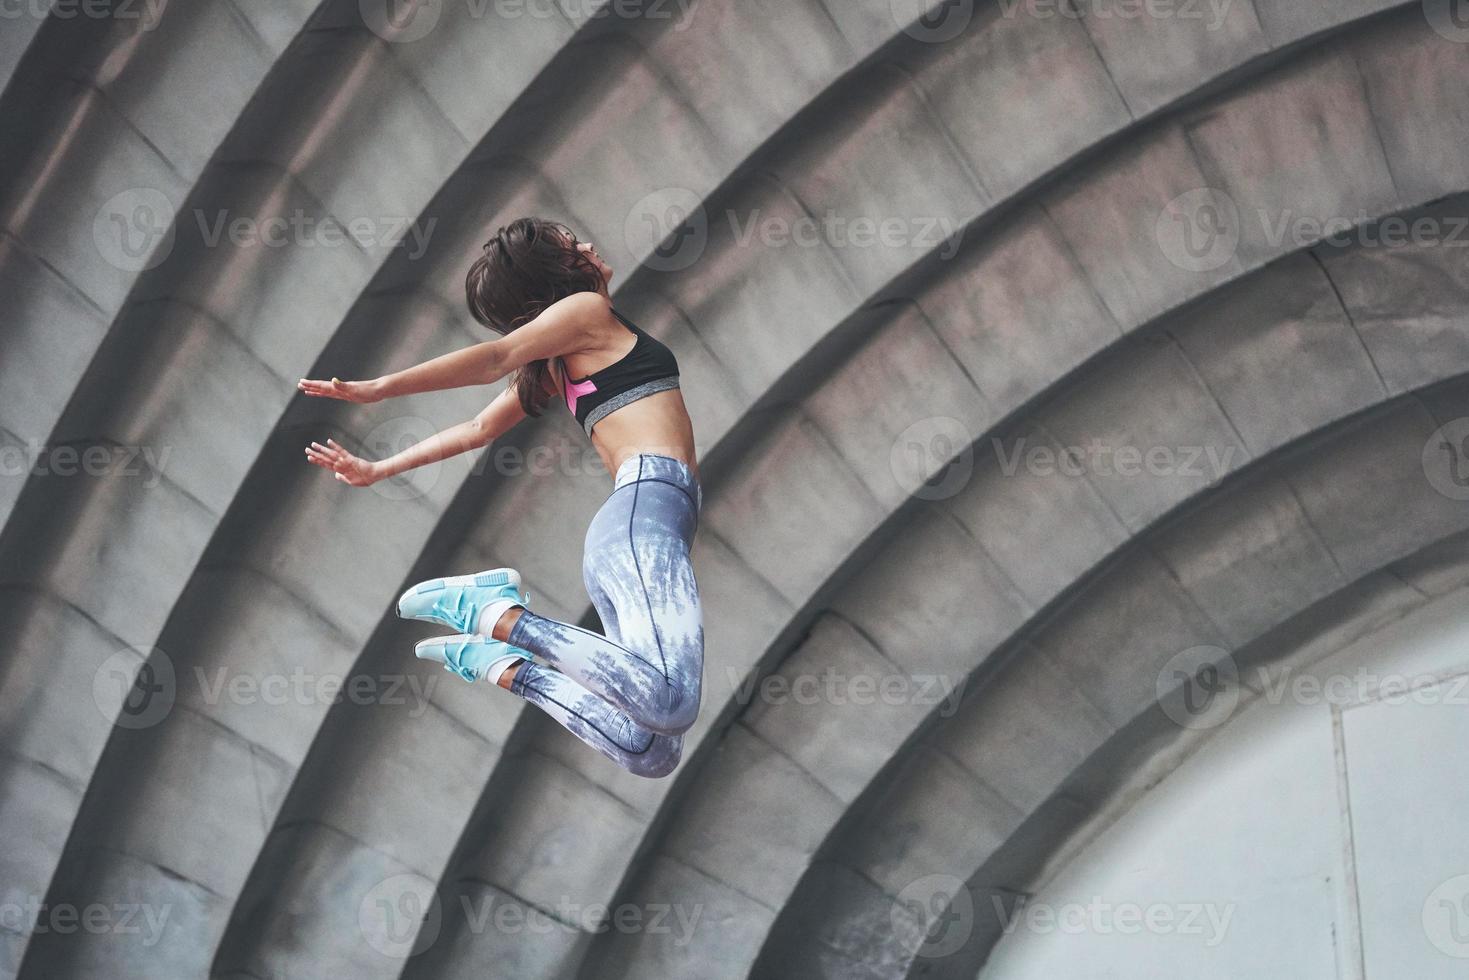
(657, 424)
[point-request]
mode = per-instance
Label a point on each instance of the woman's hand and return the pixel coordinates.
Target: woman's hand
(362, 392)
(351, 470)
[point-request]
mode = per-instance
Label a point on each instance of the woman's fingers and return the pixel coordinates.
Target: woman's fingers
(332, 456)
(329, 456)
(335, 388)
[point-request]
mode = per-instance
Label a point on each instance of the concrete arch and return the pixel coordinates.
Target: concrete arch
(984, 538)
(1292, 534)
(337, 47)
(479, 876)
(1037, 584)
(298, 825)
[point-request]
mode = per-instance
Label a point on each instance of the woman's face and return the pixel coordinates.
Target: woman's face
(590, 251)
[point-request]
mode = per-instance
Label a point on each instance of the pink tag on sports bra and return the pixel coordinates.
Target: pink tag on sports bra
(575, 391)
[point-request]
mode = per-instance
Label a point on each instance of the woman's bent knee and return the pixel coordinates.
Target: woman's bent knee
(660, 761)
(674, 716)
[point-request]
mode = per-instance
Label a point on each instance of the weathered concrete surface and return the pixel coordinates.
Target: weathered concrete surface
(828, 383)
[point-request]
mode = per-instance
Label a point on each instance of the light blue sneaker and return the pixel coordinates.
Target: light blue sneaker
(469, 656)
(460, 601)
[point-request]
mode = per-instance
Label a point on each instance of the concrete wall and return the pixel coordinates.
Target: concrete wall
(1278, 844)
(1084, 246)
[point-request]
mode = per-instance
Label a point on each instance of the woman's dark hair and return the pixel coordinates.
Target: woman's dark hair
(528, 265)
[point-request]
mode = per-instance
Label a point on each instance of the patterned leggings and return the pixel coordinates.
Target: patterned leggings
(632, 693)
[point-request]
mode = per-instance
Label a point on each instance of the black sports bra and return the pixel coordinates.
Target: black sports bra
(647, 369)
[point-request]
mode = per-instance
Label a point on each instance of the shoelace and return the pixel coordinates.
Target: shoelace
(461, 612)
(453, 657)
(457, 613)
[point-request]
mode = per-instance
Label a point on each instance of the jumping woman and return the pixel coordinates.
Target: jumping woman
(631, 693)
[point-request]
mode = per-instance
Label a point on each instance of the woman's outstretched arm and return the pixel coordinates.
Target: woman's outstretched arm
(497, 418)
(563, 328)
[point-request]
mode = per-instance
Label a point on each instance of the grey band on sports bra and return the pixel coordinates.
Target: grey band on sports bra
(627, 398)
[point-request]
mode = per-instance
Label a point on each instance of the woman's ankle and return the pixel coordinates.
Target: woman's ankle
(507, 676)
(506, 623)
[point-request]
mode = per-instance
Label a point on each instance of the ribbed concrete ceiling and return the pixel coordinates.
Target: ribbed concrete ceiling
(1047, 183)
